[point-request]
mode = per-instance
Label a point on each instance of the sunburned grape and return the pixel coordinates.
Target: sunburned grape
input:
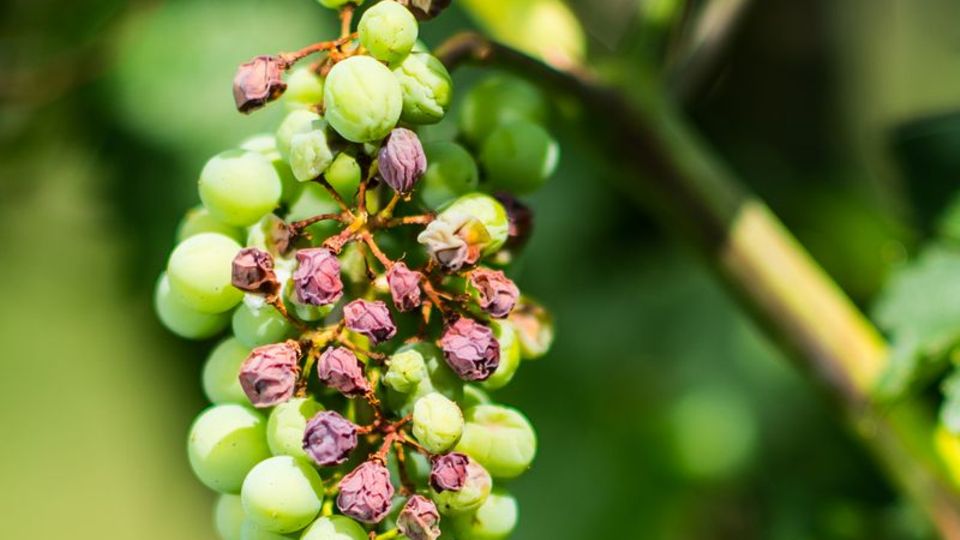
(362, 274)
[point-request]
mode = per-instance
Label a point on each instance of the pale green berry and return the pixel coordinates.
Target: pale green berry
(499, 438)
(334, 527)
(221, 372)
(427, 88)
(198, 220)
(336, 4)
(282, 494)
(471, 496)
(228, 517)
(494, 520)
(225, 443)
(451, 172)
(304, 88)
(388, 31)
(344, 175)
(182, 319)
(405, 370)
(296, 121)
(251, 531)
(310, 154)
(496, 101)
(437, 422)
(519, 157)
(199, 272)
(509, 355)
(362, 98)
(286, 425)
(473, 395)
(440, 378)
(239, 187)
(266, 144)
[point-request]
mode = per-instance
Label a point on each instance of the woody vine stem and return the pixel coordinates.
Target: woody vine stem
(788, 294)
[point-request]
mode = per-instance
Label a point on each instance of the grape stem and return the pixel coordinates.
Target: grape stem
(780, 285)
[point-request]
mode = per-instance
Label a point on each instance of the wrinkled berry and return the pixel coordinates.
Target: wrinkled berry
(404, 286)
(498, 293)
(329, 438)
(317, 278)
(470, 349)
(401, 160)
(449, 472)
(366, 493)
(257, 82)
(253, 272)
(339, 369)
(268, 376)
(419, 519)
(371, 319)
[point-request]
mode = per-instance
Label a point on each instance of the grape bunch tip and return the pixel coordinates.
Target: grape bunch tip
(360, 271)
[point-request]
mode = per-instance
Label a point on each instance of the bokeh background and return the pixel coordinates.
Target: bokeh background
(662, 411)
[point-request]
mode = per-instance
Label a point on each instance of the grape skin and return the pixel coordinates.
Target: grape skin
(199, 271)
(228, 517)
(256, 327)
(388, 30)
(221, 370)
(239, 187)
(282, 494)
(225, 443)
(182, 319)
(509, 356)
(198, 220)
(494, 520)
(363, 99)
(519, 157)
(499, 438)
(286, 424)
(497, 101)
(334, 528)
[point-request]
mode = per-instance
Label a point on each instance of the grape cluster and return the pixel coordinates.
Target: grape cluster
(361, 273)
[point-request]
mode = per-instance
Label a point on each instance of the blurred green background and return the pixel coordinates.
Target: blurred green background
(662, 411)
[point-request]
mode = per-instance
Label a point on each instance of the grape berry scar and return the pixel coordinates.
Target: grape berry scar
(361, 270)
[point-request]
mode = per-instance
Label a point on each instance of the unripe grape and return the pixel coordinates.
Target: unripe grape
(534, 326)
(335, 4)
(404, 373)
(228, 517)
(182, 319)
(509, 355)
(388, 30)
(451, 172)
(494, 520)
(405, 370)
(344, 175)
(198, 220)
(427, 88)
(258, 326)
(310, 154)
(251, 531)
(362, 98)
(334, 528)
(199, 271)
(499, 438)
(519, 157)
(437, 422)
(282, 494)
(474, 395)
(304, 88)
(239, 187)
(225, 442)
(221, 371)
(287, 423)
(296, 122)
(266, 145)
(496, 101)
(471, 495)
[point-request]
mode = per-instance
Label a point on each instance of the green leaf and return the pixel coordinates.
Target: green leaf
(920, 310)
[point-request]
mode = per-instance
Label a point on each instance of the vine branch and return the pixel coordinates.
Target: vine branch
(787, 293)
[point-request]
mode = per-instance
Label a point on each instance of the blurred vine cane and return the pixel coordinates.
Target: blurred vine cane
(777, 281)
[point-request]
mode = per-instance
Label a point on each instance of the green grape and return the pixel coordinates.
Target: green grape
(496, 101)
(310, 154)
(254, 327)
(238, 187)
(335, 4)
(451, 172)
(334, 528)
(494, 520)
(388, 31)
(266, 144)
(182, 319)
(437, 422)
(198, 220)
(427, 88)
(251, 531)
(296, 122)
(344, 175)
(499, 438)
(228, 517)
(519, 157)
(473, 395)
(483, 212)
(363, 99)
(286, 425)
(534, 326)
(225, 442)
(440, 378)
(304, 88)
(471, 496)
(405, 371)
(509, 355)
(282, 494)
(199, 271)
(221, 382)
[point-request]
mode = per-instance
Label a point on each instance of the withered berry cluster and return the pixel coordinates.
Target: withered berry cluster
(361, 271)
